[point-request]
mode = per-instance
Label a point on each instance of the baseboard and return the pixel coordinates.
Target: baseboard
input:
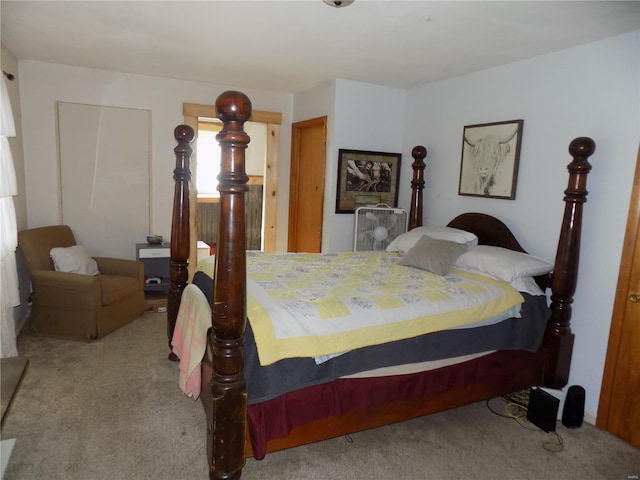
(155, 302)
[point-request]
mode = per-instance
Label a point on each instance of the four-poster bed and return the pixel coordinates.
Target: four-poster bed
(231, 415)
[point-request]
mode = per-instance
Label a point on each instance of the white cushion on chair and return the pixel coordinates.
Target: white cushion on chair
(73, 259)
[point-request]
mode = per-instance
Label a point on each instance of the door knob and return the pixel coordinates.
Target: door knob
(635, 297)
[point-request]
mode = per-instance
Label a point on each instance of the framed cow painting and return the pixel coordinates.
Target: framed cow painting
(490, 156)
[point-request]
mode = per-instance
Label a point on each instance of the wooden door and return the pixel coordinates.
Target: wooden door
(306, 192)
(619, 410)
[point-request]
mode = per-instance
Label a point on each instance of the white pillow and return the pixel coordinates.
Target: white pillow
(406, 241)
(73, 259)
(527, 285)
(501, 263)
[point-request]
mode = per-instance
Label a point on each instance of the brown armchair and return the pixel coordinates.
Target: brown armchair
(73, 305)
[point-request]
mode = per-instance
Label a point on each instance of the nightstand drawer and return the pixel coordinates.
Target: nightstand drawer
(159, 252)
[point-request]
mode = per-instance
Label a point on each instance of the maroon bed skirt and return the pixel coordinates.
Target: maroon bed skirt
(278, 417)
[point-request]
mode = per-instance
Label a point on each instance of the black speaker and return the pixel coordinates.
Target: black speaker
(573, 411)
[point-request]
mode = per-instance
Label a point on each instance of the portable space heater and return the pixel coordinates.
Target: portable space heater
(377, 226)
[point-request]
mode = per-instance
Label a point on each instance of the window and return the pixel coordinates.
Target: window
(208, 160)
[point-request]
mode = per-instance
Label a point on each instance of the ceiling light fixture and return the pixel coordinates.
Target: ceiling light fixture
(338, 3)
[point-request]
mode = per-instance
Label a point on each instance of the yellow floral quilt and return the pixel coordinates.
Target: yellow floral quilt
(310, 305)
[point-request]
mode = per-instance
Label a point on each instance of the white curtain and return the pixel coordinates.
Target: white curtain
(9, 295)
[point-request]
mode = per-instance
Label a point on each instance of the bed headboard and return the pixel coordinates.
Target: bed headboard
(488, 229)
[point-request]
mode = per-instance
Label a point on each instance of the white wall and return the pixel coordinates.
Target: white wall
(367, 117)
(44, 84)
(361, 116)
(591, 90)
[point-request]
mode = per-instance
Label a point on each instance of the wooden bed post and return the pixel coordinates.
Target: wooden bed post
(558, 339)
(417, 185)
(226, 423)
(179, 264)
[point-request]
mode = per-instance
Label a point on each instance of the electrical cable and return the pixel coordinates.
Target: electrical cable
(516, 411)
(521, 397)
(554, 447)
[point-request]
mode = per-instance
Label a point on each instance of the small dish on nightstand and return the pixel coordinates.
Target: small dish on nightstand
(154, 239)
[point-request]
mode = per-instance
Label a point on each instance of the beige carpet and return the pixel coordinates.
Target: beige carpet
(112, 410)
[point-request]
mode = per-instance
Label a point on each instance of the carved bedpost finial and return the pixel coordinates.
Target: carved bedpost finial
(233, 107)
(179, 263)
(183, 134)
(227, 420)
(582, 148)
(418, 153)
(558, 336)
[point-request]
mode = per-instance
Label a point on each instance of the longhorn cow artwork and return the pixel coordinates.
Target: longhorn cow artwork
(490, 157)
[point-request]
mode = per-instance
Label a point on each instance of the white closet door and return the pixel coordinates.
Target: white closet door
(104, 155)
